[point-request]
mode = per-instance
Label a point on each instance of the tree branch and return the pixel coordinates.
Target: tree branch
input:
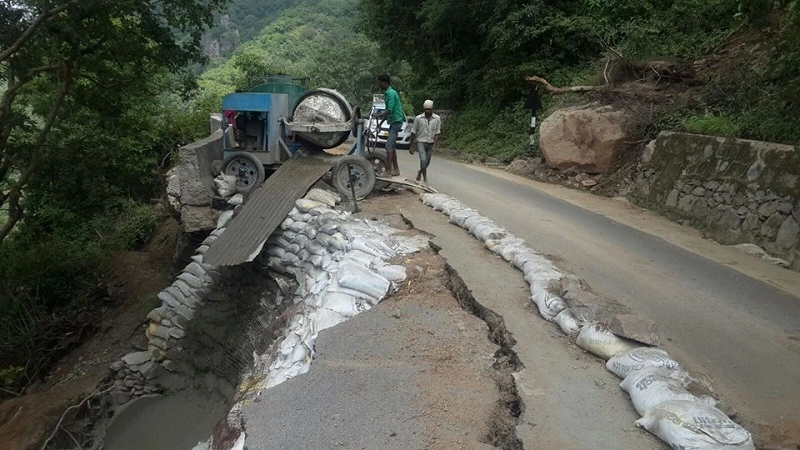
(550, 89)
(15, 192)
(46, 14)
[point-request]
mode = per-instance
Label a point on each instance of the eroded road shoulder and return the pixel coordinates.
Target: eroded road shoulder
(414, 372)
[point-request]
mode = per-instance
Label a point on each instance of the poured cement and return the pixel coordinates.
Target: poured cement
(173, 422)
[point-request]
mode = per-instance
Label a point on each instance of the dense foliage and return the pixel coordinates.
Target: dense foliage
(472, 56)
(90, 110)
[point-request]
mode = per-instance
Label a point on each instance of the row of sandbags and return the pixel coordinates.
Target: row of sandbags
(341, 265)
(655, 382)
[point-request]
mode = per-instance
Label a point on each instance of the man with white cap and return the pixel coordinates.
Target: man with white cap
(425, 135)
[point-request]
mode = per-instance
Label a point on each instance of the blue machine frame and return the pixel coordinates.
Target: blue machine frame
(274, 107)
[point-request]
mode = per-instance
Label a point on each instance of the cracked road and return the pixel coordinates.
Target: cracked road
(721, 313)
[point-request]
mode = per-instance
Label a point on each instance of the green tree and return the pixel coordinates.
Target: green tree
(59, 55)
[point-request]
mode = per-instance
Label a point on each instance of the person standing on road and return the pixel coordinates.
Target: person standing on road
(425, 134)
(395, 117)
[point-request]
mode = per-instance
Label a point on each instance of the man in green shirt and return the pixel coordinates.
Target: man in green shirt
(395, 116)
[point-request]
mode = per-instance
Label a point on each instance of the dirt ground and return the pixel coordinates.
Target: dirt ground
(133, 280)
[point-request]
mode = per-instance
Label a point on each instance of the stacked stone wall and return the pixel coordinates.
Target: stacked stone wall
(735, 190)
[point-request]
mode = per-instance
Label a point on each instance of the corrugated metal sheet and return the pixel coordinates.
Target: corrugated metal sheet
(265, 210)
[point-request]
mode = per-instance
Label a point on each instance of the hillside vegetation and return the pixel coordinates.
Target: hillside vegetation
(472, 56)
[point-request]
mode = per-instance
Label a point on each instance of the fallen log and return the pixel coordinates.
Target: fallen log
(550, 89)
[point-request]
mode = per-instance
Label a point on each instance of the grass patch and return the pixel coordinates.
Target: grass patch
(714, 125)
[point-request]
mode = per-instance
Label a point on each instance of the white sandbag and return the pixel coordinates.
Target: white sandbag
(287, 222)
(492, 244)
(550, 305)
(653, 386)
(353, 276)
(692, 425)
(276, 251)
(225, 184)
(224, 218)
(191, 280)
(289, 259)
(330, 227)
(470, 222)
(433, 200)
(523, 257)
(340, 303)
(509, 251)
(309, 232)
(391, 272)
(448, 202)
(324, 318)
(539, 271)
(374, 248)
(315, 260)
(488, 230)
(596, 339)
(459, 216)
(361, 258)
(297, 226)
(475, 221)
(301, 217)
(305, 205)
(195, 269)
(567, 322)
(449, 206)
(640, 358)
(293, 248)
(323, 196)
(236, 200)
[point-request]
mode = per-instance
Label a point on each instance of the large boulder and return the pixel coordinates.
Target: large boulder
(588, 138)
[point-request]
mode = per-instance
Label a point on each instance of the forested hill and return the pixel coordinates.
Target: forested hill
(240, 22)
(313, 39)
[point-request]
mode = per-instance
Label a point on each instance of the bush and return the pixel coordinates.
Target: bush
(712, 125)
(502, 134)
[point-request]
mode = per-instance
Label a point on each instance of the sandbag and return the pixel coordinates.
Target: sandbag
(598, 340)
(488, 230)
(689, 425)
(449, 206)
(359, 257)
(470, 222)
(224, 218)
(509, 251)
(305, 205)
(653, 386)
(550, 305)
(459, 216)
(394, 273)
(373, 248)
(225, 184)
(523, 257)
(236, 200)
(340, 303)
(323, 196)
(324, 318)
(638, 359)
(353, 276)
(567, 322)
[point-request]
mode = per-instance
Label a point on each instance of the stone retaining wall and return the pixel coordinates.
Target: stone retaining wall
(735, 190)
(210, 322)
(190, 184)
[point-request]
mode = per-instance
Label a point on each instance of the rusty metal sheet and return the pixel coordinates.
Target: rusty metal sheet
(265, 210)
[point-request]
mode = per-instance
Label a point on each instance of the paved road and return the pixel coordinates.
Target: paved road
(738, 328)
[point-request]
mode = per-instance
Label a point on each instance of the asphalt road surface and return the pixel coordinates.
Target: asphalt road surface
(721, 313)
